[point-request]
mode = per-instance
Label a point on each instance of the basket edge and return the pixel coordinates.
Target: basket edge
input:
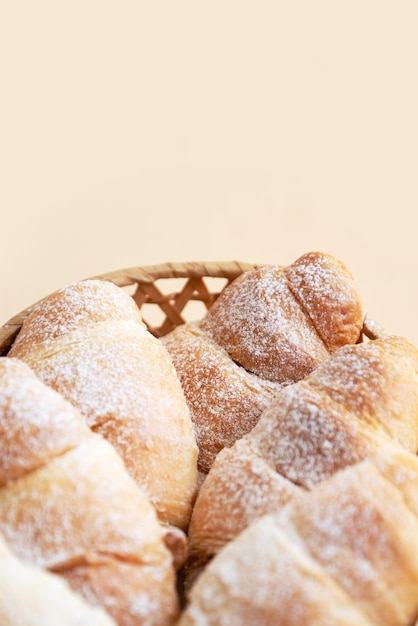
(151, 273)
(139, 274)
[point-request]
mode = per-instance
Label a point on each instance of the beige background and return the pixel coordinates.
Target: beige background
(140, 132)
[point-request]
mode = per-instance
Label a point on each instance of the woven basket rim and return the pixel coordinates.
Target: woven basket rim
(141, 274)
(149, 274)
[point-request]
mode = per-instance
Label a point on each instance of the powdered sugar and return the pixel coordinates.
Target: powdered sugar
(76, 305)
(245, 486)
(30, 596)
(36, 423)
(76, 510)
(122, 380)
(224, 399)
(325, 290)
(340, 545)
(378, 383)
(349, 524)
(262, 327)
(288, 588)
(307, 437)
(60, 515)
(281, 322)
(309, 432)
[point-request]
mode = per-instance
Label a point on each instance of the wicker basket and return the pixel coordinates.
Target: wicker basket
(170, 288)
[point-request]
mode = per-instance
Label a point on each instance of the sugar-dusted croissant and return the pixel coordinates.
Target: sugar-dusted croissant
(361, 400)
(88, 342)
(31, 596)
(344, 553)
(271, 327)
(68, 504)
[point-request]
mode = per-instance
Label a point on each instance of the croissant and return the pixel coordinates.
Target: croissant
(68, 504)
(269, 328)
(363, 399)
(343, 553)
(88, 342)
(30, 596)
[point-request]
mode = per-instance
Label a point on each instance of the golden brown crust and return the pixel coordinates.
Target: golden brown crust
(30, 596)
(325, 290)
(80, 508)
(288, 589)
(280, 323)
(335, 555)
(378, 383)
(312, 430)
(307, 437)
(246, 487)
(176, 542)
(261, 325)
(224, 399)
(313, 598)
(32, 433)
(350, 526)
(72, 307)
(269, 328)
(298, 520)
(141, 598)
(401, 469)
(88, 342)
(33, 517)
